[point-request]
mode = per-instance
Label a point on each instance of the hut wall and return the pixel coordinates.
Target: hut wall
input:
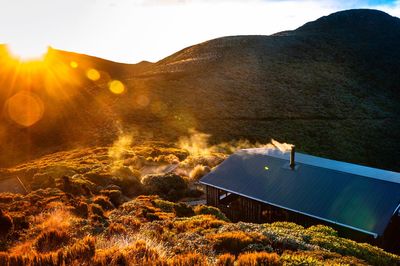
(250, 210)
(212, 196)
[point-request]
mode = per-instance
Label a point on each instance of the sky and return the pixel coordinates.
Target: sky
(134, 30)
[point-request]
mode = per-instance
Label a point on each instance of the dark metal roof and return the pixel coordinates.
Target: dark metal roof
(354, 196)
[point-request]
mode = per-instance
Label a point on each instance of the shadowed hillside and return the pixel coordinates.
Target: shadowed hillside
(331, 87)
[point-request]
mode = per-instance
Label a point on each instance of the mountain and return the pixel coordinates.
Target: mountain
(331, 87)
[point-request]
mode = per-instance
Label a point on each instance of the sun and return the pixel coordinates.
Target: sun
(27, 51)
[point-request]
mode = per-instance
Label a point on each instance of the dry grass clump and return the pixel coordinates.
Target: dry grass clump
(143, 209)
(226, 260)
(80, 253)
(189, 259)
(196, 223)
(199, 171)
(51, 240)
(6, 198)
(319, 258)
(210, 160)
(159, 149)
(234, 242)
(259, 258)
(138, 253)
(116, 229)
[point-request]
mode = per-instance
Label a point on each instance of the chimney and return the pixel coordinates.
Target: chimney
(292, 163)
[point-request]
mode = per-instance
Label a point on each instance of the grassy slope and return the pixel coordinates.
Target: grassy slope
(90, 220)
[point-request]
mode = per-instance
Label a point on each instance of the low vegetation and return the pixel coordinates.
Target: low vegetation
(90, 207)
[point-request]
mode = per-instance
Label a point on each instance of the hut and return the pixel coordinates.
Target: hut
(267, 185)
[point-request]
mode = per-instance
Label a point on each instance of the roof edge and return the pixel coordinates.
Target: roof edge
(344, 167)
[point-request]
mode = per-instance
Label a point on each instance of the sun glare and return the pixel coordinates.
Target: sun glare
(27, 52)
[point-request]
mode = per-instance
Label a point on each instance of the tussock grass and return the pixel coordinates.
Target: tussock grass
(91, 215)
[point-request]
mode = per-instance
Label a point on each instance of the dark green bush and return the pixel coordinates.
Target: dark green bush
(6, 224)
(169, 186)
(204, 209)
(104, 202)
(82, 209)
(114, 195)
(96, 210)
(183, 210)
(231, 241)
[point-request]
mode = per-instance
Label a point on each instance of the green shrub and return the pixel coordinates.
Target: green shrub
(104, 202)
(82, 209)
(318, 257)
(20, 221)
(165, 206)
(232, 241)
(128, 180)
(326, 230)
(96, 210)
(197, 223)
(6, 224)
(169, 186)
(204, 209)
(183, 210)
(114, 195)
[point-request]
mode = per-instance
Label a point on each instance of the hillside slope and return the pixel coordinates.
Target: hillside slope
(331, 87)
(91, 207)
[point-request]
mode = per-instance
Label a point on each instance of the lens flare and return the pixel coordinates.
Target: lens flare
(93, 74)
(25, 108)
(73, 64)
(116, 87)
(142, 101)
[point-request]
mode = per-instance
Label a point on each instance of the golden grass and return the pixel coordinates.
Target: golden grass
(88, 219)
(259, 258)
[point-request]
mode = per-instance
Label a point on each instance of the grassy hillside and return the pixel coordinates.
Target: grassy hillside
(330, 87)
(83, 211)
